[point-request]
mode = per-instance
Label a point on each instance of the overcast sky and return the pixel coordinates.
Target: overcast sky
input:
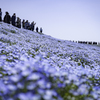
(62, 19)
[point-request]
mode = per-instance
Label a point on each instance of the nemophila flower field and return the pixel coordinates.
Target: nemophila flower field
(36, 66)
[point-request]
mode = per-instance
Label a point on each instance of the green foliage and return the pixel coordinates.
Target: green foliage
(79, 63)
(27, 40)
(3, 52)
(7, 41)
(10, 60)
(13, 31)
(40, 33)
(67, 95)
(4, 32)
(36, 49)
(59, 41)
(60, 55)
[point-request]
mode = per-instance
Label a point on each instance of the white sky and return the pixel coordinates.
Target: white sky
(63, 19)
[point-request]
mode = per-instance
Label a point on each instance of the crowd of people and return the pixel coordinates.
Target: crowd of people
(24, 24)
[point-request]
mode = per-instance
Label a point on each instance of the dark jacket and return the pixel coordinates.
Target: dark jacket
(32, 26)
(7, 18)
(18, 22)
(13, 20)
(23, 23)
(37, 29)
(41, 30)
(0, 16)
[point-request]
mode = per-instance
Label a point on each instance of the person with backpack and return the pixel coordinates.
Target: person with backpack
(7, 18)
(13, 19)
(0, 15)
(32, 26)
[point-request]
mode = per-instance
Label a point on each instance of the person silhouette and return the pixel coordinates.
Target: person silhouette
(37, 29)
(41, 30)
(13, 19)
(7, 18)
(23, 23)
(18, 22)
(32, 26)
(0, 15)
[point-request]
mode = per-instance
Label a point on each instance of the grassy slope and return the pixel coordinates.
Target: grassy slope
(72, 68)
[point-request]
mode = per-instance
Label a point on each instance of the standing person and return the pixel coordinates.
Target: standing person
(18, 22)
(0, 15)
(7, 18)
(29, 26)
(32, 26)
(26, 24)
(23, 23)
(37, 29)
(41, 30)
(13, 19)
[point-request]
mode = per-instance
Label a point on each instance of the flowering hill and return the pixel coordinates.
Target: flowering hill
(36, 66)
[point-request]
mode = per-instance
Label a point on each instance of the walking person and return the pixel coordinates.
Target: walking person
(13, 19)
(7, 18)
(32, 26)
(0, 15)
